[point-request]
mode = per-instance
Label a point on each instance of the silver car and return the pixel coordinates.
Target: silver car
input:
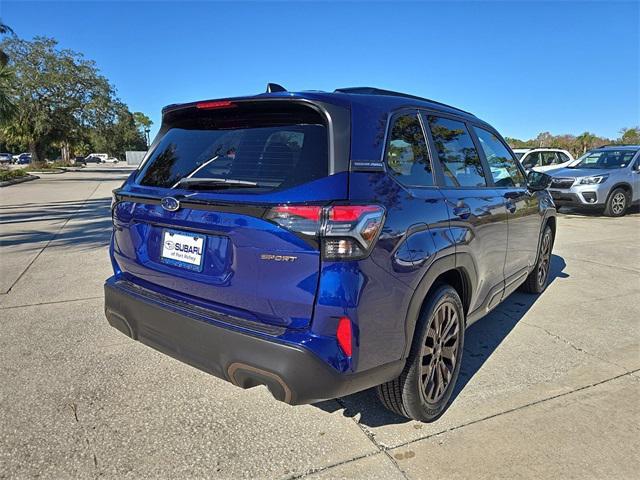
(607, 178)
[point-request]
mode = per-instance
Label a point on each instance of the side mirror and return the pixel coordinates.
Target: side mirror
(537, 181)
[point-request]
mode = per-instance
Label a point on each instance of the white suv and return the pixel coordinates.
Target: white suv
(543, 159)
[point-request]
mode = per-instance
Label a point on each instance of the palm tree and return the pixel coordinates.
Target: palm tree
(7, 107)
(585, 141)
(4, 30)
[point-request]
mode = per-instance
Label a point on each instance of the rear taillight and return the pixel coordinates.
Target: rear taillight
(346, 232)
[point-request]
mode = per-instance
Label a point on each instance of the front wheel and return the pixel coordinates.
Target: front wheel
(617, 203)
(423, 389)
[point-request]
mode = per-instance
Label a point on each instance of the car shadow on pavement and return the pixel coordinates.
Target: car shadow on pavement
(87, 224)
(481, 340)
(582, 212)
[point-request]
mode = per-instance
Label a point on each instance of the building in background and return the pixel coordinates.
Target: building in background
(135, 157)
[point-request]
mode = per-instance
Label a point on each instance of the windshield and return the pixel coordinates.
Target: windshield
(605, 159)
(206, 150)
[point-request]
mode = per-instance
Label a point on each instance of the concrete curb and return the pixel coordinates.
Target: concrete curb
(52, 171)
(15, 181)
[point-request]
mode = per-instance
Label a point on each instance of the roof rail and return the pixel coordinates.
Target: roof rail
(618, 145)
(380, 91)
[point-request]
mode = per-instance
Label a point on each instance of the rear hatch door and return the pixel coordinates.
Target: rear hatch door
(203, 220)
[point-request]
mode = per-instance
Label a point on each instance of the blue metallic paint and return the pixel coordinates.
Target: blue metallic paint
(375, 293)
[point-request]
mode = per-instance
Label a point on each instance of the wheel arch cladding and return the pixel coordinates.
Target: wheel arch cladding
(442, 271)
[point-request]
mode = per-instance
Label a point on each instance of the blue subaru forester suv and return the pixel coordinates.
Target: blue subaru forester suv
(324, 243)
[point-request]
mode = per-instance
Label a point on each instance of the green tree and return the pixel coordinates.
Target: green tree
(7, 88)
(586, 141)
(143, 124)
(60, 94)
(120, 135)
(630, 136)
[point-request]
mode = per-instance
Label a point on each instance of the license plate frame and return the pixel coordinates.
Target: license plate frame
(190, 252)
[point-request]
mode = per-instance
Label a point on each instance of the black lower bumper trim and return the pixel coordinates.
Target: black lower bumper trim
(292, 374)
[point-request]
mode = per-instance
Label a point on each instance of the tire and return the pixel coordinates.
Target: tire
(538, 279)
(617, 203)
(422, 392)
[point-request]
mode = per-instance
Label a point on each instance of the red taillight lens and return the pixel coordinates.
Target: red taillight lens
(350, 213)
(344, 335)
(298, 218)
(214, 105)
(348, 232)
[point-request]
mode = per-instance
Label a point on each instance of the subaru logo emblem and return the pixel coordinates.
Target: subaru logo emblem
(170, 204)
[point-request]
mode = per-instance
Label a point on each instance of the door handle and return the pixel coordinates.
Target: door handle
(462, 212)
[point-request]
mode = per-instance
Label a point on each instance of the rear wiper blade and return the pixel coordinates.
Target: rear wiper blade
(217, 182)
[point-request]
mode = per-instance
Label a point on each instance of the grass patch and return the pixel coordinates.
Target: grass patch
(11, 174)
(47, 166)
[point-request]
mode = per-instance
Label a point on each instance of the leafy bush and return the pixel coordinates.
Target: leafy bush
(11, 174)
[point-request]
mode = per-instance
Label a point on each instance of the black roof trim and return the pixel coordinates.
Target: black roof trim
(380, 91)
(613, 145)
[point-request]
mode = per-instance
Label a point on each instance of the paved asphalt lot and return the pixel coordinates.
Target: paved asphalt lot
(550, 386)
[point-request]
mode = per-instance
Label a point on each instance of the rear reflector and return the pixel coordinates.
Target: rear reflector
(214, 105)
(344, 336)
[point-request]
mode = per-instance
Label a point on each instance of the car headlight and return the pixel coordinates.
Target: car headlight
(596, 179)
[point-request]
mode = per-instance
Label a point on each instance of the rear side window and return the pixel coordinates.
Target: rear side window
(563, 157)
(457, 153)
(260, 149)
(549, 158)
(407, 155)
(504, 171)
(531, 160)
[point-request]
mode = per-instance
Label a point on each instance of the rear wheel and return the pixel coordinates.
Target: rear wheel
(537, 280)
(617, 203)
(423, 389)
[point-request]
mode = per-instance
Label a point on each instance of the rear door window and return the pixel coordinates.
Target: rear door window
(262, 150)
(407, 155)
(503, 166)
(457, 153)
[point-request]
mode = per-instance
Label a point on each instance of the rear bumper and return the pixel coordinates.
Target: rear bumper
(292, 373)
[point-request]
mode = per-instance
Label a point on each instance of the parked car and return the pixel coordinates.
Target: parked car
(543, 159)
(6, 158)
(111, 160)
(324, 243)
(92, 159)
(79, 161)
(23, 159)
(606, 178)
(102, 156)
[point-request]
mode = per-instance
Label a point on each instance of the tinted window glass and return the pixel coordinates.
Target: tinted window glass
(606, 159)
(457, 153)
(531, 160)
(503, 166)
(407, 155)
(264, 152)
(563, 157)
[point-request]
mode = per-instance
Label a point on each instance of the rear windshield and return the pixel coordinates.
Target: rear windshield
(254, 147)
